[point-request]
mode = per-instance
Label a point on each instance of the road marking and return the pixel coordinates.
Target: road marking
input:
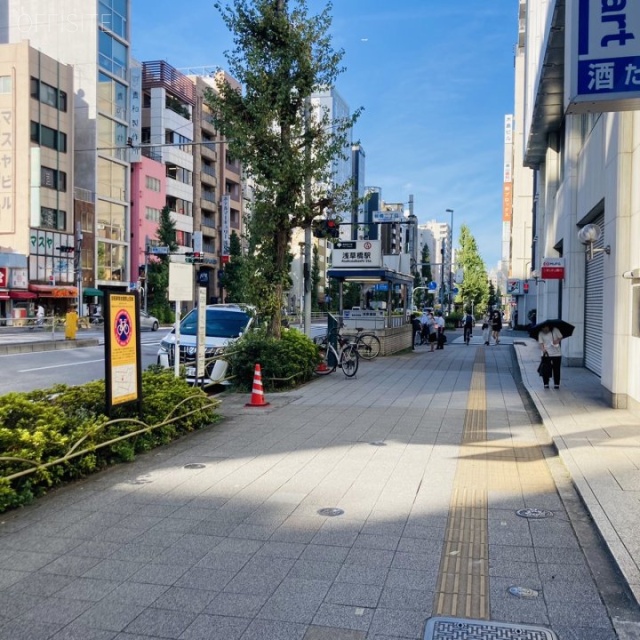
(57, 366)
(463, 583)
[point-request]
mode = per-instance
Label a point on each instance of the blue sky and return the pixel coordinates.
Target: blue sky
(435, 78)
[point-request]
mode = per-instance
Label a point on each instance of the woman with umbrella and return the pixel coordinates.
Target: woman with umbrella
(549, 335)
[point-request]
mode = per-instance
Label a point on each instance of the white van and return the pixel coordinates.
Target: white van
(225, 323)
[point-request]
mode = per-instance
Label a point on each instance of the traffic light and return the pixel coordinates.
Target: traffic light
(326, 228)
(65, 249)
(193, 257)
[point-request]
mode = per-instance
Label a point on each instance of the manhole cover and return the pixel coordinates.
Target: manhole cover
(465, 629)
(378, 443)
(330, 512)
(534, 514)
(523, 592)
(195, 465)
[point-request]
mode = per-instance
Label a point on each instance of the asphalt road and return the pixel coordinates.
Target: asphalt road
(28, 371)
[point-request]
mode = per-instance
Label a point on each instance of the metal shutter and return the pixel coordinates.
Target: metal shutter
(593, 306)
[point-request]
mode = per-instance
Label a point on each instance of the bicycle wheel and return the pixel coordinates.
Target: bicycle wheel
(349, 361)
(368, 346)
(327, 363)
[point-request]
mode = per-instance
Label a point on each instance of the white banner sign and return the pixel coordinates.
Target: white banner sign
(360, 253)
(226, 224)
(180, 282)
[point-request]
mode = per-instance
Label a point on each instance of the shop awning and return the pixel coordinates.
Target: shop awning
(53, 291)
(21, 294)
(91, 292)
(4, 295)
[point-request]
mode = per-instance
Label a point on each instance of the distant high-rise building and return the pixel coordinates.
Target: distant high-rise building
(357, 192)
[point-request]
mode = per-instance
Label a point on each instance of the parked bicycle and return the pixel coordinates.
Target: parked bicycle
(346, 357)
(367, 344)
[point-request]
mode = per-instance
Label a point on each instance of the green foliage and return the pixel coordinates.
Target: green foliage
(281, 57)
(284, 363)
(425, 269)
(453, 320)
(474, 287)
(42, 426)
(158, 270)
(236, 273)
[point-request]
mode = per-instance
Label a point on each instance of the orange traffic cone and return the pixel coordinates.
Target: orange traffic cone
(257, 394)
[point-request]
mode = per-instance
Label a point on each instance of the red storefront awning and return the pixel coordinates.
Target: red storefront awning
(53, 291)
(21, 294)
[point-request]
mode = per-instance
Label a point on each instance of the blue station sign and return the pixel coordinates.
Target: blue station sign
(604, 55)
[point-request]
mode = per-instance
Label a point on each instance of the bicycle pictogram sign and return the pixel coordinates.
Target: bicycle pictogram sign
(123, 327)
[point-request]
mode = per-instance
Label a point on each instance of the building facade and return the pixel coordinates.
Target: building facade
(93, 37)
(586, 159)
(37, 258)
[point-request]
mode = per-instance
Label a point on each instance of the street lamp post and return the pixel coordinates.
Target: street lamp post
(451, 260)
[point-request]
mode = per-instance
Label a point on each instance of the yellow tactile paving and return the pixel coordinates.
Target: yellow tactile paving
(497, 465)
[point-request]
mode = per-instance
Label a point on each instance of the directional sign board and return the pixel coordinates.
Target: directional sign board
(158, 251)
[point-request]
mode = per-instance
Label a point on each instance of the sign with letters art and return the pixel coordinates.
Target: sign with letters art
(603, 59)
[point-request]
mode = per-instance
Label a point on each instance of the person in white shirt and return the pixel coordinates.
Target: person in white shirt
(549, 340)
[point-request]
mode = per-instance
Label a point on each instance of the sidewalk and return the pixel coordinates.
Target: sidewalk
(600, 447)
(327, 515)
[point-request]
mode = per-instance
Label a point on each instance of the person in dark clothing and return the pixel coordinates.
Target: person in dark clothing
(417, 329)
(496, 325)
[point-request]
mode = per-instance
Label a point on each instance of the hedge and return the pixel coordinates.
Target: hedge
(39, 427)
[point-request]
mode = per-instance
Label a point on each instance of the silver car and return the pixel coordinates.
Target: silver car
(148, 322)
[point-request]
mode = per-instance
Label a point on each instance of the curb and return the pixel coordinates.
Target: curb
(46, 345)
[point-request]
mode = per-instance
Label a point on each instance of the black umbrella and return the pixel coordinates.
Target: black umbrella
(565, 328)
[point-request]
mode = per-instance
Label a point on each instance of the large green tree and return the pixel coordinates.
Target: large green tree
(282, 56)
(158, 269)
(236, 276)
(474, 290)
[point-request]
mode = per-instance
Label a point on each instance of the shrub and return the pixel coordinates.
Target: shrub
(42, 426)
(284, 363)
(453, 320)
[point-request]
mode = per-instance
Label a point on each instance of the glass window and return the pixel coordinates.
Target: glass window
(113, 16)
(153, 184)
(52, 218)
(53, 179)
(111, 261)
(111, 134)
(112, 96)
(152, 214)
(113, 54)
(111, 221)
(111, 179)
(5, 84)
(48, 137)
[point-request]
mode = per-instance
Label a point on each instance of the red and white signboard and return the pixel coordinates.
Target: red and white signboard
(3, 277)
(552, 269)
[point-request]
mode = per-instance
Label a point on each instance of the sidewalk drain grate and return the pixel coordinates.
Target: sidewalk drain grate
(442, 628)
(523, 592)
(534, 514)
(331, 512)
(378, 443)
(195, 465)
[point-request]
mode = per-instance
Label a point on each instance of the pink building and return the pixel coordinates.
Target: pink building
(148, 197)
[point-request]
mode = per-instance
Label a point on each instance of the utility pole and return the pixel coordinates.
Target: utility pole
(451, 260)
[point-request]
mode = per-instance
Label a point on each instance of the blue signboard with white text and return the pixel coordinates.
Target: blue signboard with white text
(604, 55)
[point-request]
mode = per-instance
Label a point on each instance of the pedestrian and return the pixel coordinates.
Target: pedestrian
(496, 325)
(416, 330)
(549, 340)
(40, 316)
(424, 321)
(468, 323)
(486, 329)
(432, 329)
(440, 328)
